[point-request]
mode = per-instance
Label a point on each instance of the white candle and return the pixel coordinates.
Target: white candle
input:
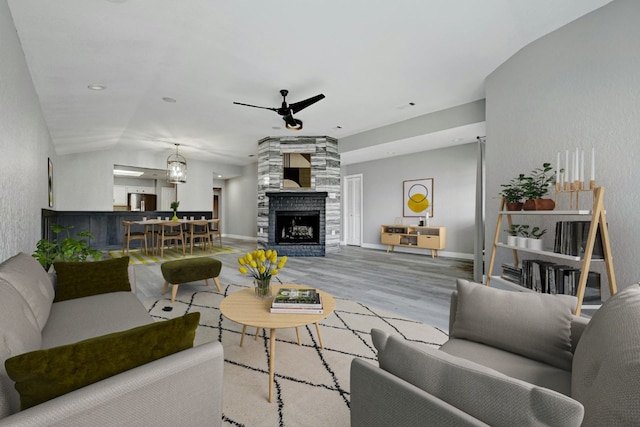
(582, 166)
(593, 164)
(575, 166)
(566, 166)
(558, 168)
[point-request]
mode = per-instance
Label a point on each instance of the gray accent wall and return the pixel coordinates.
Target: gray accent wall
(454, 172)
(579, 86)
(25, 145)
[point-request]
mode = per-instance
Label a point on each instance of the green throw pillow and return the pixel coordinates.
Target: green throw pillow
(82, 279)
(45, 374)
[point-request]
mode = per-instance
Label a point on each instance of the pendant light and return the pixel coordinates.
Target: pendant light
(176, 168)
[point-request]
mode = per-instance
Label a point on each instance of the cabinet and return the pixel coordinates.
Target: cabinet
(598, 222)
(417, 236)
(119, 195)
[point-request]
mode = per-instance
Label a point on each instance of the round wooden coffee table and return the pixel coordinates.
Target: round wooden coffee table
(244, 308)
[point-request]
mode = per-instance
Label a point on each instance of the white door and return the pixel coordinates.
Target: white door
(353, 210)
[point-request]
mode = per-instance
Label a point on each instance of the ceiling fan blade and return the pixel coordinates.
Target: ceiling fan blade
(256, 106)
(297, 106)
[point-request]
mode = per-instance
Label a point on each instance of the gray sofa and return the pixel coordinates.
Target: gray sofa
(513, 358)
(183, 388)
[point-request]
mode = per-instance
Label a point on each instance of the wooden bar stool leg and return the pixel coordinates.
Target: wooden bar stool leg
(298, 335)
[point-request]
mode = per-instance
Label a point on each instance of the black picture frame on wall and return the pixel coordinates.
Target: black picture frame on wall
(417, 200)
(50, 181)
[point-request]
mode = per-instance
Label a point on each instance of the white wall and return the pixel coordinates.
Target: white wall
(25, 145)
(453, 170)
(240, 206)
(576, 87)
(86, 179)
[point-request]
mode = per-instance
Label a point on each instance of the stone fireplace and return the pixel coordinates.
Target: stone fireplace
(299, 221)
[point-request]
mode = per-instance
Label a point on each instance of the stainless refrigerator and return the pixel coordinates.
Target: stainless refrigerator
(141, 202)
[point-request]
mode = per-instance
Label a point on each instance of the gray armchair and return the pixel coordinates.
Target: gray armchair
(513, 358)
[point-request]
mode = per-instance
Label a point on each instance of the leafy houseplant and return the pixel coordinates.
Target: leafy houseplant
(67, 249)
(262, 266)
(537, 233)
(174, 208)
(513, 193)
(513, 233)
(534, 241)
(536, 186)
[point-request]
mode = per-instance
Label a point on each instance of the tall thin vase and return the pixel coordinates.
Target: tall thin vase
(263, 288)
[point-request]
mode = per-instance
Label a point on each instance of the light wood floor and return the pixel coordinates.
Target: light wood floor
(413, 286)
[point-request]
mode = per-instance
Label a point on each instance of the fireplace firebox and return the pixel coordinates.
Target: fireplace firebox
(297, 223)
(297, 227)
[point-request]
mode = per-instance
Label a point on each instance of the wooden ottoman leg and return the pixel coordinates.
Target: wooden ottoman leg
(164, 288)
(174, 292)
(217, 282)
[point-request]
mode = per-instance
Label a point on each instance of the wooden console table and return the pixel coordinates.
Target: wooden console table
(416, 236)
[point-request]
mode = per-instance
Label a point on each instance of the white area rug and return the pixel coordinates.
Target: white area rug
(311, 384)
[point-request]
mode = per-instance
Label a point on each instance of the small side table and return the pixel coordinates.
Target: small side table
(244, 308)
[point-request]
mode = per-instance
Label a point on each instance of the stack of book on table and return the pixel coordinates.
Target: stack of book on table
(297, 301)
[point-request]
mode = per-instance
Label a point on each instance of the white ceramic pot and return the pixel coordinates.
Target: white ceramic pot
(534, 244)
(512, 240)
(521, 242)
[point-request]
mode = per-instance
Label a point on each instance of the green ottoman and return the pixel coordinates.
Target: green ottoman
(189, 270)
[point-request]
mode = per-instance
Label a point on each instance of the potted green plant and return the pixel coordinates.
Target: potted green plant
(536, 186)
(513, 234)
(534, 241)
(523, 235)
(174, 208)
(513, 193)
(68, 249)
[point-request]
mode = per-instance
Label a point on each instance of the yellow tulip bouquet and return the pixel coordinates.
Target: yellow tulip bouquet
(262, 265)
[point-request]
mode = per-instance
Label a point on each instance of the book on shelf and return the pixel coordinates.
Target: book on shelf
(299, 310)
(511, 273)
(571, 239)
(297, 298)
(547, 277)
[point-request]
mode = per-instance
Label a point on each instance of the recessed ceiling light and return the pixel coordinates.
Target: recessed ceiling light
(96, 87)
(167, 99)
(219, 176)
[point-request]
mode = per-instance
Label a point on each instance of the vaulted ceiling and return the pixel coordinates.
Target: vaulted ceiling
(171, 69)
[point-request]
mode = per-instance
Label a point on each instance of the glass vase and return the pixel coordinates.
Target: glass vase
(263, 288)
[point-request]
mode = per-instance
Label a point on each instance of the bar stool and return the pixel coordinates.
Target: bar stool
(130, 235)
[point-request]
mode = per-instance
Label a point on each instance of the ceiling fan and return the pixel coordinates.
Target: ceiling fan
(287, 111)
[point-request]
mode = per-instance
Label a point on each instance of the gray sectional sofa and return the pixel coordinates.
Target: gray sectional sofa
(513, 358)
(171, 386)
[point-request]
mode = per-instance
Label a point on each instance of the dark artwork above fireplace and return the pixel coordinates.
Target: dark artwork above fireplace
(297, 227)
